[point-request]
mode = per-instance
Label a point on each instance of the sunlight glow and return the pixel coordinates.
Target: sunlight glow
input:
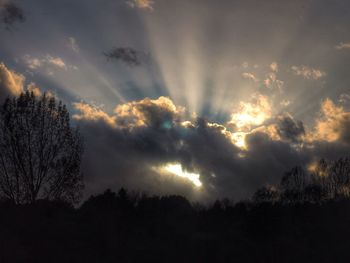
(312, 167)
(249, 117)
(177, 170)
(238, 138)
(252, 114)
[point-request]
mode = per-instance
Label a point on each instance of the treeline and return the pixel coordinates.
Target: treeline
(322, 181)
(306, 218)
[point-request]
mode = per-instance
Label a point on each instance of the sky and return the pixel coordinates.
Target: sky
(207, 99)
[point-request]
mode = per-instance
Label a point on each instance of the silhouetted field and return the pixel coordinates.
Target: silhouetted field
(125, 228)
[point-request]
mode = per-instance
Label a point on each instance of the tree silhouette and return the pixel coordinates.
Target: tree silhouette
(40, 153)
(339, 178)
(329, 180)
(266, 194)
(320, 178)
(293, 184)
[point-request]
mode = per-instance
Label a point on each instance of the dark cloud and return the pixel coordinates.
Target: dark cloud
(289, 129)
(268, 159)
(153, 133)
(10, 14)
(127, 55)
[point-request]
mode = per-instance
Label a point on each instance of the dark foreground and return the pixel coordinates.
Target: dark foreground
(116, 228)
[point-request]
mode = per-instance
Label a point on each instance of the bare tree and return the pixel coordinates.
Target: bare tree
(320, 173)
(339, 178)
(267, 194)
(40, 153)
(333, 177)
(293, 184)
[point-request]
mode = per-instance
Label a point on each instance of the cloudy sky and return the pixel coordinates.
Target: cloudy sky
(195, 97)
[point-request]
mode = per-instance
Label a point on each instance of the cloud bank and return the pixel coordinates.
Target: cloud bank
(129, 146)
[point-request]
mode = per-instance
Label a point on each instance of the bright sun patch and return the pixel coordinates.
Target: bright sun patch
(238, 139)
(249, 116)
(177, 170)
(252, 114)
